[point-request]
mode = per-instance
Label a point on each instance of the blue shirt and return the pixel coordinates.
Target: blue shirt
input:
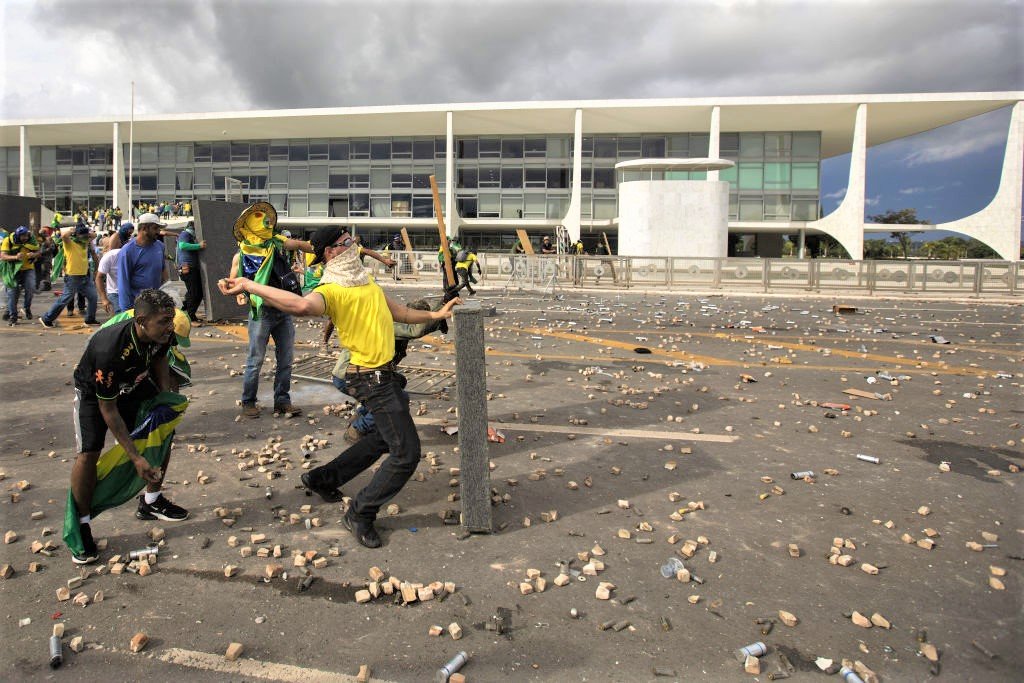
(138, 268)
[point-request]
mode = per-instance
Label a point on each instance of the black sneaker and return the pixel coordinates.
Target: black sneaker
(364, 531)
(93, 321)
(11, 322)
(160, 509)
(329, 495)
(89, 552)
(46, 323)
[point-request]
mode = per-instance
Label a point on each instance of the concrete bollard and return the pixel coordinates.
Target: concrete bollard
(471, 381)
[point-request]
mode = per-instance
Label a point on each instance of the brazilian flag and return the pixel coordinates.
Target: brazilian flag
(117, 482)
(256, 262)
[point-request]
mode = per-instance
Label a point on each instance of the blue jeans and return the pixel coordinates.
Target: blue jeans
(112, 297)
(395, 434)
(74, 284)
(273, 324)
(26, 282)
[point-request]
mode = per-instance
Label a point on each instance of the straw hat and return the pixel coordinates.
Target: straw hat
(256, 224)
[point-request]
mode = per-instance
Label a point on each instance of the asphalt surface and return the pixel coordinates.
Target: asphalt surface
(591, 426)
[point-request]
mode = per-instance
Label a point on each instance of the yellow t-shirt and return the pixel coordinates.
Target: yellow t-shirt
(363, 321)
(76, 257)
(22, 250)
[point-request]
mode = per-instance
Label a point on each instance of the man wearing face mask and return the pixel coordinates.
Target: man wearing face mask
(364, 318)
(123, 365)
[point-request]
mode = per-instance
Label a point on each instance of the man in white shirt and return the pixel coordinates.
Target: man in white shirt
(106, 281)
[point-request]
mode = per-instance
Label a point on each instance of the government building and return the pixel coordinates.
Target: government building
(669, 177)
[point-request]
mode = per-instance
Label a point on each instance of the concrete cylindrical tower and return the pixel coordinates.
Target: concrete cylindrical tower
(673, 218)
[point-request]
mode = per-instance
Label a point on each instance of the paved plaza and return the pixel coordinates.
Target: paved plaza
(637, 427)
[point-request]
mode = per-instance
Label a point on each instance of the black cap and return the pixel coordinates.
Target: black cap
(323, 238)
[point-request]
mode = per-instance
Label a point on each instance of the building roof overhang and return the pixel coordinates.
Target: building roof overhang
(890, 117)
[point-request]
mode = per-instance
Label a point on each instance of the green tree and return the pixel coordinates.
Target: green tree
(825, 246)
(877, 249)
(977, 249)
(788, 247)
(900, 217)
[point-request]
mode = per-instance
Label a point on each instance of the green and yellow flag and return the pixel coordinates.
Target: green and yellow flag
(117, 482)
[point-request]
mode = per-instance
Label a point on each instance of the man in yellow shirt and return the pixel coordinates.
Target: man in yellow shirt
(364, 318)
(18, 251)
(465, 259)
(77, 243)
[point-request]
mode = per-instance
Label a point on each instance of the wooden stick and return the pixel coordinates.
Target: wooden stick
(443, 232)
(608, 248)
(524, 240)
(405, 238)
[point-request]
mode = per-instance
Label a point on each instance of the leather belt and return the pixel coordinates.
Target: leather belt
(354, 369)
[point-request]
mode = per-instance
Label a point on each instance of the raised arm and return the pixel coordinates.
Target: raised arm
(387, 261)
(309, 306)
(401, 313)
(292, 244)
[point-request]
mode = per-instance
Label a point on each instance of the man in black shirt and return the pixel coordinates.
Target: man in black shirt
(122, 366)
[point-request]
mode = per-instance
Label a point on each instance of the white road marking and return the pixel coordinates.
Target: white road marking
(592, 431)
(252, 668)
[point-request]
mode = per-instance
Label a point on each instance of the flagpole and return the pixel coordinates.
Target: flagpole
(131, 155)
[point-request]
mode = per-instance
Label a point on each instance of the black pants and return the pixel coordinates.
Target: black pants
(393, 433)
(193, 280)
(465, 277)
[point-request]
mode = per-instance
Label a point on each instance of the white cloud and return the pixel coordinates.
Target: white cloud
(838, 194)
(873, 201)
(955, 149)
(75, 58)
(918, 190)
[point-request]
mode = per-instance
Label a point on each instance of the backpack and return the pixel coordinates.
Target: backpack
(461, 256)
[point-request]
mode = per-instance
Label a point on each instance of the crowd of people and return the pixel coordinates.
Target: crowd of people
(127, 380)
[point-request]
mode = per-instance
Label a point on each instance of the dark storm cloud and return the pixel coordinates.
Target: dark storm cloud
(225, 54)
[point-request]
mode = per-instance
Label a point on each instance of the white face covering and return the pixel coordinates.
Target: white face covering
(346, 269)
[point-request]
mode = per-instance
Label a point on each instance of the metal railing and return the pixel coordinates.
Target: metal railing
(741, 274)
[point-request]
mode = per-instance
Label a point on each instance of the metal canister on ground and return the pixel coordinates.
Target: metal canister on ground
(849, 675)
(143, 553)
(801, 475)
(868, 458)
(56, 655)
(753, 650)
(456, 663)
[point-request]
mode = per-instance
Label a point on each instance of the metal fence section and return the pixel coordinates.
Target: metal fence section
(546, 273)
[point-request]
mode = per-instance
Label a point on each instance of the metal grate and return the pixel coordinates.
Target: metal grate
(421, 380)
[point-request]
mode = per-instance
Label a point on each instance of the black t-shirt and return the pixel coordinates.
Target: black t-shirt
(115, 361)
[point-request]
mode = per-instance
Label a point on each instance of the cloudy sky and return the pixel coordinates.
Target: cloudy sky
(76, 58)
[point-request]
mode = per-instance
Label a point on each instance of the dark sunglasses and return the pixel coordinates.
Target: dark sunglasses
(347, 242)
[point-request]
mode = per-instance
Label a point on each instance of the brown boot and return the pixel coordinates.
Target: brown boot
(352, 435)
(250, 410)
(288, 410)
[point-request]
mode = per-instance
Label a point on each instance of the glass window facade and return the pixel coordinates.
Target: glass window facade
(777, 174)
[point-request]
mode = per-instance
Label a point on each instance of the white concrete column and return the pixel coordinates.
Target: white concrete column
(714, 142)
(451, 214)
(573, 217)
(26, 187)
(998, 224)
(801, 246)
(120, 187)
(846, 223)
